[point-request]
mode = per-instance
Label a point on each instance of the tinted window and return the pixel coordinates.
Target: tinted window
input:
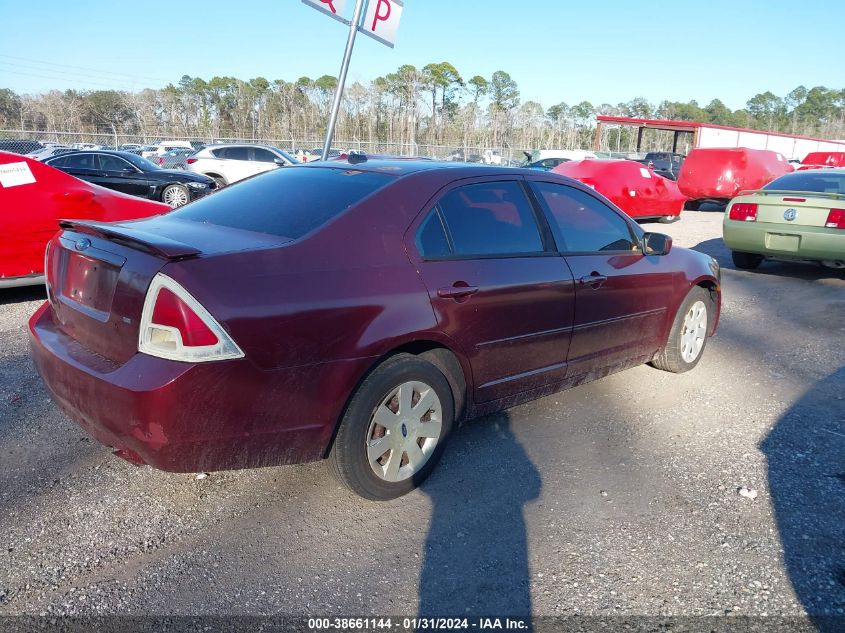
(816, 180)
(59, 162)
(234, 153)
(493, 218)
(113, 163)
(582, 223)
(431, 237)
(286, 202)
(263, 155)
(80, 161)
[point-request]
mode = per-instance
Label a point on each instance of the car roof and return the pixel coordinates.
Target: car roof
(405, 166)
(219, 145)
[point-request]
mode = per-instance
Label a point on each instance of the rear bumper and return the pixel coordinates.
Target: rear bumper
(784, 240)
(184, 417)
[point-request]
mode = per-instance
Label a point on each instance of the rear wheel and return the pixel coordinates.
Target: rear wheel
(394, 429)
(669, 219)
(749, 261)
(688, 336)
(175, 196)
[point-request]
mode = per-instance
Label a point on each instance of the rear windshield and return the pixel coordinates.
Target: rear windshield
(288, 202)
(816, 180)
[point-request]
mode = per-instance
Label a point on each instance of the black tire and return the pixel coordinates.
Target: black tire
(748, 261)
(669, 219)
(221, 182)
(692, 205)
(672, 356)
(348, 460)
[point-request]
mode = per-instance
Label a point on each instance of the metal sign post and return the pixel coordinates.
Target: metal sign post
(341, 78)
(382, 23)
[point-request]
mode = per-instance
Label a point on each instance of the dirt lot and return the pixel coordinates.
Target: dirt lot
(618, 497)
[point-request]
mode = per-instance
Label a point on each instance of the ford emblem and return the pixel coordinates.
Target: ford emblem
(82, 244)
(790, 214)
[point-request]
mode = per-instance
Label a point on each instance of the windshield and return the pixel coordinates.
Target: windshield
(288, 202)
(815, 180)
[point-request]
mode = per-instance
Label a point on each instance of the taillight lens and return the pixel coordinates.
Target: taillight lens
(176, 326)
(744, 212)
(160, 160)
(191, 161)
(835, 219)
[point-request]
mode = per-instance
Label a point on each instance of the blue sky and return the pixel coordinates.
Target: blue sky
(602, 51)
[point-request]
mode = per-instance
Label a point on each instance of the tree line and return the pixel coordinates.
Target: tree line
(432, 105)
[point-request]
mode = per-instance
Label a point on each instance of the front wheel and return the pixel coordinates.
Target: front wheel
(175, 196)
(688, 336)
(394, 429)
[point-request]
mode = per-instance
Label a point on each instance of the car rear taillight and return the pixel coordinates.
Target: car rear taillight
(835, 219)
(176, 326)
(744, 212)
(161, 161)
(191, 161)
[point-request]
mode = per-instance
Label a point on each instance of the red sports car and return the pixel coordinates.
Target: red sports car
(633, 187)
(355, 311)
(34, 197)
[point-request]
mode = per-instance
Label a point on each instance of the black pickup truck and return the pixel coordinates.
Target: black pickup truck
(666, 164)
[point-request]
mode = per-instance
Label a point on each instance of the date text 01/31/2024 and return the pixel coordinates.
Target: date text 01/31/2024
(414, 624)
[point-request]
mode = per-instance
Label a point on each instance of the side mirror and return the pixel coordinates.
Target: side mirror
(656, 244)
(279, 162)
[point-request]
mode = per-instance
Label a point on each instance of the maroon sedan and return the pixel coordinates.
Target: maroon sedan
(355, 312)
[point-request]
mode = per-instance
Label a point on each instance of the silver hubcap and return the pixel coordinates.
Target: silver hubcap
(175, 197)
(403, 431)
(695, 329)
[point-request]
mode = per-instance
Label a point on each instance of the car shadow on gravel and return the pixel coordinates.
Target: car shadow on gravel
(476, 551)
(716, 248)
(805, 451)
(19, 295)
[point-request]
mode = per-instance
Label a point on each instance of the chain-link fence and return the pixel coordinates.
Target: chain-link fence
(42, 145)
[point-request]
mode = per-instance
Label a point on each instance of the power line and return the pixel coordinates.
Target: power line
(54, 78)
(59, 68)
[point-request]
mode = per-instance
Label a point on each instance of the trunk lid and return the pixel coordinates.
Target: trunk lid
(98, 274)
(794, 208)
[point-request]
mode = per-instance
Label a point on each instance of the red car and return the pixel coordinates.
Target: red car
(822, 160)
(355, 312)
(719, 174)
(633, 187)
(34, 197)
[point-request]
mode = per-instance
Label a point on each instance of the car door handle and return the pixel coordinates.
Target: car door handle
(456, 292)
(594, 279)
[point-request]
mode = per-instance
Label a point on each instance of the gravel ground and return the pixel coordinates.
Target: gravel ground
(615, 498)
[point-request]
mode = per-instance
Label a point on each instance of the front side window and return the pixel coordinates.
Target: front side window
(582, 223)
(489, 219)
(263, 155)
(113, 163)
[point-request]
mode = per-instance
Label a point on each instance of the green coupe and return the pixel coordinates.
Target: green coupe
(799, 216)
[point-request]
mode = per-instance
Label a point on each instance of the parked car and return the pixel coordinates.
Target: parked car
(130, 147)
(17, 146)
(310, 155)
(49, 152)
(666, 164)
(546, 164)
(719, 174)
(821, 160)
(85, 146)
(34, 197)
(540, 155)
(163, 147)
(355, 312)
(233, 162)
(636, 189)
(174, 159)
(134, 175)
(799, 216)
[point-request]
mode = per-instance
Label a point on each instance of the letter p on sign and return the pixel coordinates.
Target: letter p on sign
(382, 20)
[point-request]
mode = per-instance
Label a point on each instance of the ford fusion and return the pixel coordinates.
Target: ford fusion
(355, 312)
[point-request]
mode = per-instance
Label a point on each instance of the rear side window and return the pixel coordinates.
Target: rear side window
(288, 202)
(81, 161)
(233, 153)
(582, 223)
(488, 219)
